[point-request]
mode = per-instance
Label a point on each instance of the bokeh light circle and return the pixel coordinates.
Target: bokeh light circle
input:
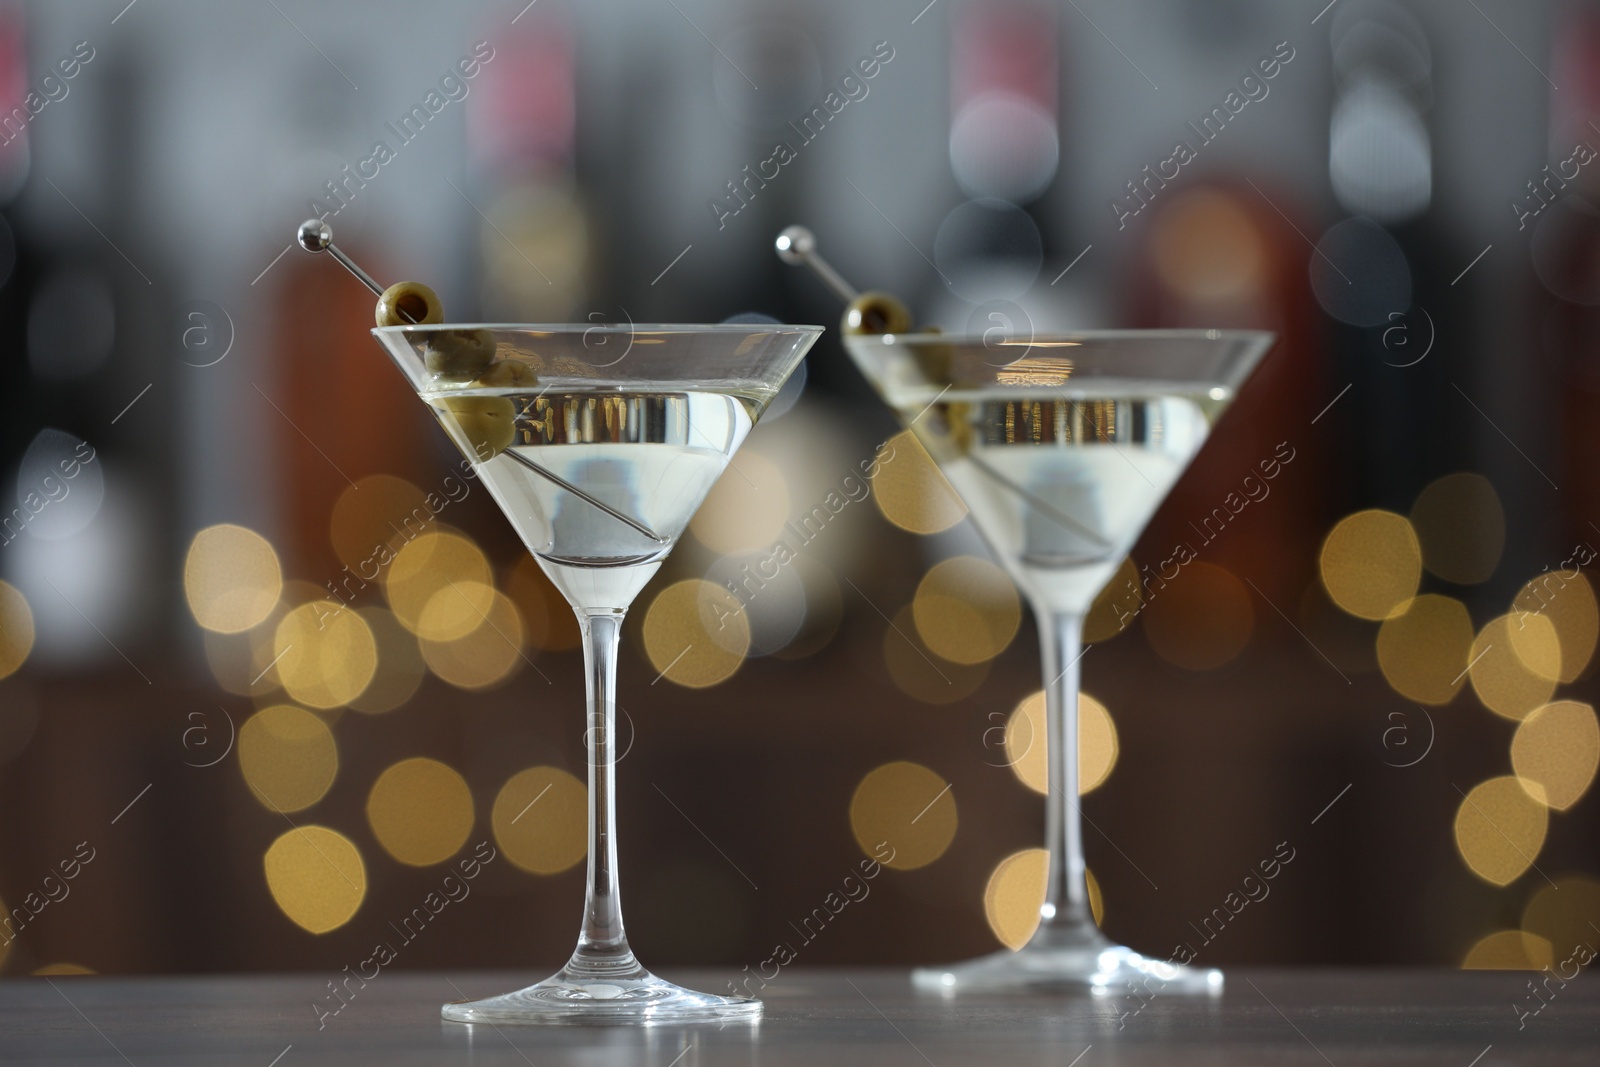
(1027, 751)
(1501, 657)
(696, 633)
(421, 811)
(1461, 527)
(1371, 563)
(1568, 601)
(316, 876)
(907, 808)
(1508, 950)
(1564, 913)
(426, 565)
(910, 490)
(1424, 648)
(1556, 751)
(541, 820)
(16, 629)
(483, 657)
(324, 654)
(966, 610)
(1499, 830)
(231, 578)
(1015, 894)
(1359, 273)
(288, 757)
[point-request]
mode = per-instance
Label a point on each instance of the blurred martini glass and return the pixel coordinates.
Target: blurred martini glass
(1062, 447)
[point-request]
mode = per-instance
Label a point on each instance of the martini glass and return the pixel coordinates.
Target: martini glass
(599, 443)
(1062, 448)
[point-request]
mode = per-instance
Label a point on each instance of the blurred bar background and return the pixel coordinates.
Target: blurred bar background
(1378, 663)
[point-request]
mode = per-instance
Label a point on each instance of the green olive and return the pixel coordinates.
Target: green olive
(507, 372)
(409, 304)
(876, 312)
(483, 426)
(458, 355)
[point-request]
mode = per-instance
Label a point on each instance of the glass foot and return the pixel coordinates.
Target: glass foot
(1078, 962)
(583, 997)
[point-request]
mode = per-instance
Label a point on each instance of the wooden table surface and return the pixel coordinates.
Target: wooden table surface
(835, 1018)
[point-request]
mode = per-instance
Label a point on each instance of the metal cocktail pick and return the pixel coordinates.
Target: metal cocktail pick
(798, 245)
(315, 235)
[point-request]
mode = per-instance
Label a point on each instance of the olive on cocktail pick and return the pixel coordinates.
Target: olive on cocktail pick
(504, 372)
(408, 304)
(488, 424)
(876, 312)
(458, 355)
(872, 312)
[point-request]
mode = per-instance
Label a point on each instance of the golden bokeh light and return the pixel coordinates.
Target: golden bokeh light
(400, 665)
(288, 757)
(1568, 601)
(1424, 648)
(1564, 913)
(911, 491)
(421, 812)
(696, 633)
(551, 624)
(907, 808)
(922, 674)
(1500, 829)
(1536, 643)
(966, 610)
(1116, 606)
(541, 820)
(455, 611)
(1461, 527)
(1208, 249)
(16, 629)
(1508, 950)
(427, 565)
(1015, 893)
(484, 657)
(1371, 563)
(1027, 751)
(747, 508)
(1556, 751)
(316, 876)
(373, 516)
(231, 578)
(1500, 656)
(1202, 620)
(324, 654)
(62, 970)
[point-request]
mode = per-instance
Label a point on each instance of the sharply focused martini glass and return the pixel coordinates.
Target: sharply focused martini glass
(599, 443)
(1062, 447)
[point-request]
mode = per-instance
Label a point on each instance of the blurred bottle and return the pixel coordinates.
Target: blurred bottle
(535, 245)
(1565, 245)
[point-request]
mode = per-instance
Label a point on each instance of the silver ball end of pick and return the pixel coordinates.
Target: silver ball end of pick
(314, 235)
(795, 245)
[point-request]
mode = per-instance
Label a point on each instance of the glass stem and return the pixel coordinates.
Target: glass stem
(1066, 901)
(602, 944)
